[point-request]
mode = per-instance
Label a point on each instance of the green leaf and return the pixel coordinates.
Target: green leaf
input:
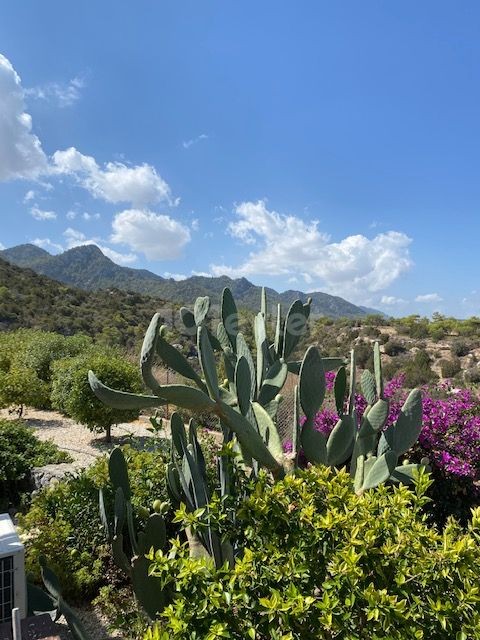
(295, 324)
(314, 443)
(273, 382)
(147, 354)
(200, 309)
(368, 386)
(269, 431)
(340, 389)
(312, 382)
(377, 365)
(381, 470)
(207, 361)
(340, 441)
(118, 472)
(177, 361)
(229, 316)
(402, 435)
(243, 385)
(188, 320)
(375, 419)
(242, 349)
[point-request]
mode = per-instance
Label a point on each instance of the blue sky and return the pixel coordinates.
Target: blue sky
(311, 145)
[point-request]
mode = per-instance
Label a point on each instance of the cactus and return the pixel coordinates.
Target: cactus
(247, 405)
(131, 558)
(40, 601)
(376, 452)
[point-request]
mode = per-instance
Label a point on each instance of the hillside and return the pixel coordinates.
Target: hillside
(86, 267)
(34, 301)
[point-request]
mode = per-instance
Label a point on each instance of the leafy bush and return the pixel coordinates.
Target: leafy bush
(460, 347)
(44, 348)
(25, 365)
(320, 562)
(20, 451)
(63, 523)
(450, 368)
(71, 393)
(20, 386)
(418, 370)
(394, 348)
(472, 375)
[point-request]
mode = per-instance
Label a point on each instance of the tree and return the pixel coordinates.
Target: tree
(71, 393)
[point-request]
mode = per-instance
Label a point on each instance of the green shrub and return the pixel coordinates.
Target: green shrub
(450, 368)
(63, 523)
(26, 358)
(20, 451)
(20, 387)
(71, 393)
(461, 347)
(418, 370)
(321, 562)
(472, 375)
(44, 348)
(394, 348)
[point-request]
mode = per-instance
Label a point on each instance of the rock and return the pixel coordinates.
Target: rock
(50, 474)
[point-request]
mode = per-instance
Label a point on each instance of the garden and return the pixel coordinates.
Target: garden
(359, 519)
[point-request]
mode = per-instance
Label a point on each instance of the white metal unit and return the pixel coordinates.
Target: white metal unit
(12, 570)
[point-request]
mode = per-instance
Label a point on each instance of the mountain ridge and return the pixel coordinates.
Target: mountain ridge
(87, 267)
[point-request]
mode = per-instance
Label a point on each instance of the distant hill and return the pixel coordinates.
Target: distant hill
(88, 268)
(29, 300)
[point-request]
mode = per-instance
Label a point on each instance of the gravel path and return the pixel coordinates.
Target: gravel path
(80, 443)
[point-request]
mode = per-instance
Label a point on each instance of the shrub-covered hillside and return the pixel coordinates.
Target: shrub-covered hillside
(28, 300)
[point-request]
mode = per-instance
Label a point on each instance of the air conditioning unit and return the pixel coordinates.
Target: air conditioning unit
(12, 571)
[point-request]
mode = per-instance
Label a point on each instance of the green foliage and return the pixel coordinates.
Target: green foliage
(450, 367)
(26, 359)
(72, 395)
(63, 523)
(461, 347)
(418, 370)
(320, 562)
(20, 451)
(110, 315)
(394, 348)
(20, 386)
(472, 375)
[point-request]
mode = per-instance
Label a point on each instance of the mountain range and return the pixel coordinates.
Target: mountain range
(86, 267)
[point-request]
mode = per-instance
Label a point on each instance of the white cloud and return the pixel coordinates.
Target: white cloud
(61, 94)
(158, 236)
(75, 238)
(46, 243)
(391, 300)
(186, 144)
(195, 224)
(429, 297)
(175, 276)
(71, 215)
(286, 245)
(203, 274)
(90, 216)
(21, 153)
(30, 195)
(116, 182)
(2, 246)
(39, 214)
